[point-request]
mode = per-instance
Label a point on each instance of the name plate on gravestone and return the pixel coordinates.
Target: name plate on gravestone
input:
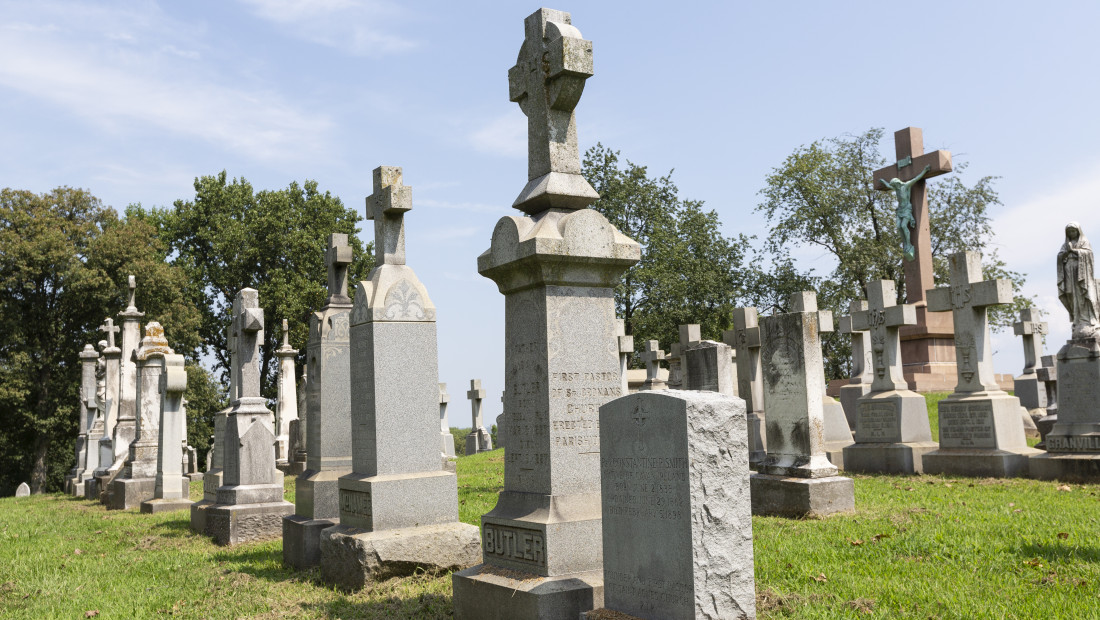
(878, 422)
(516, 544)
(1078, 443)
(966, 425)
(355, 508)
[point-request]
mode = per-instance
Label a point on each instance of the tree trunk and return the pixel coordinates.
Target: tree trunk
(39, 472)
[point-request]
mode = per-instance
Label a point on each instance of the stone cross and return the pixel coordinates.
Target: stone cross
(689, 337)
(1032, 329)
(882, 319)
(861, 349)
(652, 358)
(909, 147)
(806, 301)
(626, 349)
(248, 331)
(745, 340)
(387, 207)
(476, 394)
(967, 298)
(110, 329)
(547, 81)
(337, 259)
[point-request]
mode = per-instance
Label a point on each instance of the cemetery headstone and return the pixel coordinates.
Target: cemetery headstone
(1073, 443)
(892, 431)
(980, 429)
(1027, 387)
(125, 430)
(479, 439)
(250, 504)
(446, 439)
(797, 479)
(215, 462)
(706, 367)
(299, 429)
(328, 451)
(1048, 376)
(557, 268)
(652, 357)
(689, 337)
(96, 432)
(398, 509)
(23, 490)
(172, 487)
(745, 340)
(860, 383)
(111, 357)
(838, 434)
(675, 379)
(286, 407)
(74, 483)
(626, 349)
(667, 458)
(926, 344)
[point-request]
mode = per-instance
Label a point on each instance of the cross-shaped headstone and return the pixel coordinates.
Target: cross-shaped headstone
(476, 394)
(745, 340)
(286, 334)
(387, 207)
(1031, 329)
(883, 317)
(652, 357)
(626, 349)
(337, 258)
(248, 331)
(913, 162)
(547, 81)
(111, 329)
(861, 346)
(967, 298)
(806, 301)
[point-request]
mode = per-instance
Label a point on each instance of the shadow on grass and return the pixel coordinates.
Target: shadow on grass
(423, 606)
(260, 560)
(177, 527)
(1061, 552)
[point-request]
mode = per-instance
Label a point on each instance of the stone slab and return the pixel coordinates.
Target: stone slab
(353, 558)
(317, 494)
(486, 592)
(157, 506)
(235, 524)
(198, 515)
(127, 493)
(801, 497)
(375, 503)
(1065, 467)
(979, 463)
(887, 458)
(302, 540)
(91, 489)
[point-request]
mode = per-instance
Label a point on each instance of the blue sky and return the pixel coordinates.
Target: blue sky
(132, 100)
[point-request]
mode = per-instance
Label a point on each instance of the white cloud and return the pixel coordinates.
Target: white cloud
(505, 135)
(354, 26)
(120, 67)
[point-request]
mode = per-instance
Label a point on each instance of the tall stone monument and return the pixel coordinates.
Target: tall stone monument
(677, 522)
(215, 463)
(446, 439)
(111, 357)
(286, 407)
(892, 431)
(745, 340)
(98, 401)
(74, 483)
(860, 383)
(398, 508)
(299, 429)
(980, 429)
(927, 348)
(1027, 387)
(797, 479)
(250, 504)
(125, 430)
(172, 487)
(557, 268)
(328, 452)
(479, 439)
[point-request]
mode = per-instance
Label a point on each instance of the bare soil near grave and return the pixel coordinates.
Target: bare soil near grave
(917, 547)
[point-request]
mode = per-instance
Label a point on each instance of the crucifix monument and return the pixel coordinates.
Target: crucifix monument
(927, 346)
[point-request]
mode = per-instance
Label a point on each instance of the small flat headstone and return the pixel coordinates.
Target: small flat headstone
(23, 490)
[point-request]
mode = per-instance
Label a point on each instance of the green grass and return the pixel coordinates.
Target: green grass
(917, 547)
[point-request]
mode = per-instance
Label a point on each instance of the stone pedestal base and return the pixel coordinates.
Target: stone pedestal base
(155, 506)
(887, 458)
(1066, 467)
(232, 524)
(849, 394)
(782, 496)
(295, 468)
(302, 540)
(351, 558)
(91, 488)
(195, 477)
(485, 592)
(982, 463)
(198, 515)
(835, 452)
(128, 493)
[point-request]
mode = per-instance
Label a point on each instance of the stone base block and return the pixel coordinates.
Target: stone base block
(835, 452)
(295, 468)
(781, 496)
(198, 515)
(450, 466)
(194, 477)
(981, 463)
(352, 558)
(127, 493)
(235, 524)
(91, 488)
(317, 493)
(1066, 467)
(887, 458)
(485, 592)
(849, 394)
(302, 540)
(155, 506)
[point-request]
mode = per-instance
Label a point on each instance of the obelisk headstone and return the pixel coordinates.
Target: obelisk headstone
(745, 340)
(797, 479)
(892, 430)
(87, 412)
(125, 430)
(398, 508)
(980, 429)
(478, 440)
(110, 358)
(557, 269)
(299, 429)
(215, 462)
(286, 407)
(172, 486)
(860, 383)
(1027, 387)
(250, 504)
(96, 432)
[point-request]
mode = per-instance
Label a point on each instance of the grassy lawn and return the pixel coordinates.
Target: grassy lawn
(917, 547)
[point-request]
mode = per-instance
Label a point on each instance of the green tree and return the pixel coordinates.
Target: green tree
(688, 273)
(229, 237)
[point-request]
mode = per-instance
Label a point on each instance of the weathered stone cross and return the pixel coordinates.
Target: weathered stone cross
(1032, 329)
(861, 351)
(111, 329)
(909, 147)
(337, 259)
(652, 357)
(547, 81)
(883, 318)
(967, 298)
(745, 339)
(476, 394)
(387, 207)
(248, 331)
